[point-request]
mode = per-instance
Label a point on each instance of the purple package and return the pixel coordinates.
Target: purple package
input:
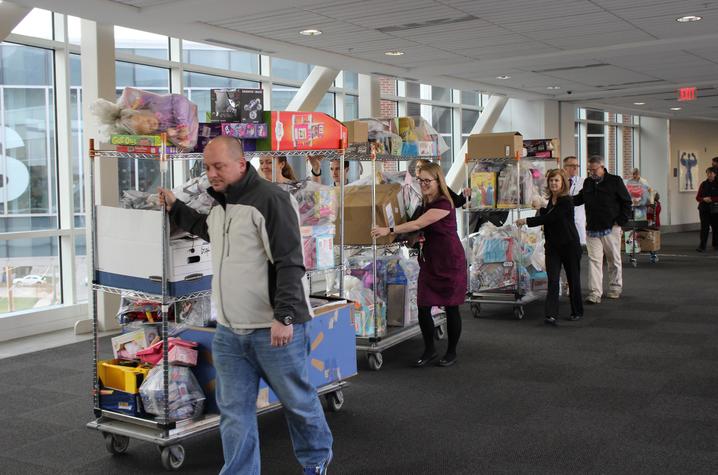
(175, 114)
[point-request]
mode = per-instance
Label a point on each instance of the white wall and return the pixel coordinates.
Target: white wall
(654, 161)
(567, 123)
(695, 135)
(533, 119)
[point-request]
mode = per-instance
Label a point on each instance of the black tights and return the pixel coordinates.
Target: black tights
(453, 327)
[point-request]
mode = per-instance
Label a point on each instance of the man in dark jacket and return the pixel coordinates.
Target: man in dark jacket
(262, 302)
(608, 207)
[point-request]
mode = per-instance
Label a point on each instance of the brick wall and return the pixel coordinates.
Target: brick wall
(628, 163)
(611, 145)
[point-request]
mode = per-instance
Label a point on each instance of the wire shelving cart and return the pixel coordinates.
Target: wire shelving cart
(509, 295)
(118, 428)
(374, 345)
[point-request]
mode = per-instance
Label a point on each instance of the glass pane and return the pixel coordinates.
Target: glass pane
(442, 94)
(211, 56)
(145, 77)
(75, 70)
(412, 108)
(81, 280)
(30, 277)
(595, 129)
(29, 156)
(595, 146)
(25, 66)
(351, 80)
(327, 104)
(468, 120)
(471, 98)
(351, 107)
(74, 30)
(78, 178)
(413, 89)
(141, 43)
(37, 23)
(594, 115)
(286, 69)
(197, 89)
(441, 119)
(282, 96)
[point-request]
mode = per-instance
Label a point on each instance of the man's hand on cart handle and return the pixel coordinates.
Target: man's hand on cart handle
(520, 222)
(167, 198)
(707, 199)
(281, 334)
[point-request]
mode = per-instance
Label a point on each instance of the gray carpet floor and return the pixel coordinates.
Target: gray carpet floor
(632, 388)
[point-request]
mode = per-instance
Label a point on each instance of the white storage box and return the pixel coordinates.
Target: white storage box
(129, 254)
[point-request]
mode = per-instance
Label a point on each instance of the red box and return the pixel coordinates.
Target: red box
(304, 131)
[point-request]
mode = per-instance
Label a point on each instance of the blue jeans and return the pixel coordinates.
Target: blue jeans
(240, 360)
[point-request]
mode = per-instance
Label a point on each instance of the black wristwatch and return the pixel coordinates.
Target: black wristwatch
(391, 229)
(317, 174)
(287, 320)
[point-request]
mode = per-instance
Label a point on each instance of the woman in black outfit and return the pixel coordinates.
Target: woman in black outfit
(563, 246)
(708, 196)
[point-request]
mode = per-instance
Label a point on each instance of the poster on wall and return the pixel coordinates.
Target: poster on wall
(688, 178)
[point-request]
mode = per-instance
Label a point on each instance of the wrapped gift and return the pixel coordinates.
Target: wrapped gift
(181, 352)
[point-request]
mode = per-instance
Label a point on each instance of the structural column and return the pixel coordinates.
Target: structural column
(98, 81)
(10, 16)
(369, 96)
(312, 92)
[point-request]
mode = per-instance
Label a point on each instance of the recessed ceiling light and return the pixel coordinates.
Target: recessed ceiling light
(639, 103)
(310, 32)
(505, 76)
(689, 18)
(394, 52)
(553, 88)
(676, 108)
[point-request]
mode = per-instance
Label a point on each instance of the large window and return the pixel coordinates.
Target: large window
(286, 69)
(141, 43)
(610, 135)
(200, 54)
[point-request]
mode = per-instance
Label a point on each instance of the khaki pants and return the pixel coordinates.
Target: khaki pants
(610, 245)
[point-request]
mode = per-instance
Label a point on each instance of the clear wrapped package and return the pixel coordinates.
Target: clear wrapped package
(365, 322)
(135, 199)
(140, 310)
(186, 399)
(317, 203)
(194, 194)
(142, 112)
(195, 312)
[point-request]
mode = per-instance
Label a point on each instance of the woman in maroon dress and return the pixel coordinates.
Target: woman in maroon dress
(442, 275)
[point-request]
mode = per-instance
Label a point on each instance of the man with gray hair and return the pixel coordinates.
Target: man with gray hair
(608, 207)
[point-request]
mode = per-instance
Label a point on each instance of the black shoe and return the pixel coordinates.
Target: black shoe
(425, 360)
(550, 321)
(574, 318)
(700, 249)
(447, 360)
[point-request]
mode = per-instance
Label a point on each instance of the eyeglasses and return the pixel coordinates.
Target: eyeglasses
(423, 181)
(571, 165)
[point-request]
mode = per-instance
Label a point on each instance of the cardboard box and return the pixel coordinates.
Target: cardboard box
(357, 213)
(499, 145)
(240, 105)
(357, 131)
(129, 254)
(303, 131)
(649, 241)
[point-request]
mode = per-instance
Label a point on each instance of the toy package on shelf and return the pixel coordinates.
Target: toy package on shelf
(513, 192)
(244, 130)
(365, 322)
(207, 131)
(196, 312)
(303, 131)
(127, 345)
(180, 352)
(640, 198)
(542, 148)
(483, 189)
(144, 149)
(139, 112)
(243, 105)
(135, 199)
(407, 136)
(318, 246)
(194, 194)
(186, 399)
(138, 310)
(318, 204)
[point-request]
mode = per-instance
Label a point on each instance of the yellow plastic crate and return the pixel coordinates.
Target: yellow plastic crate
(123, 378)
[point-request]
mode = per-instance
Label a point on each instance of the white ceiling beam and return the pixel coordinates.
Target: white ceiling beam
(312, 92)
(10, 16)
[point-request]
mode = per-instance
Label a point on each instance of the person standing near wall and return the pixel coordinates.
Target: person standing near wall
(562, 246)
(262, 309)
(575, 181)
(608, 207)
(442, 263)
(707, 198)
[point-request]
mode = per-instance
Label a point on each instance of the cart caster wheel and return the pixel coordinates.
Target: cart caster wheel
(440, 332)
(476, 310)
(116, 444)
(654, 259)
(519, 312)
(634, 262)
(172, 457)
(376, 360)
(335, 401)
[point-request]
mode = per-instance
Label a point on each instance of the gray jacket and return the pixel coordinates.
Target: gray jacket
(257, 263)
